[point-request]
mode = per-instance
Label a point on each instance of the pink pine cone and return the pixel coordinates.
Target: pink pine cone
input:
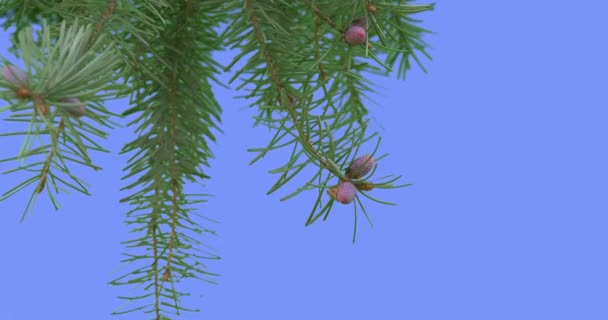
(361, 166)
(14, 75)
(355, 35)
(76, 111)
(346, 192)
(360, 22)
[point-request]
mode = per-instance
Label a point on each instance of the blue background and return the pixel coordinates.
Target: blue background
(504, 140)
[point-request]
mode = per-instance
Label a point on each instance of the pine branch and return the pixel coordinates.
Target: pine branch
(173, 96)
(331, 128)
(59, 75)
(304, 73)
(280, 87)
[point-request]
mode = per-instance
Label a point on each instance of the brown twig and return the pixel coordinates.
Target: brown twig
(323, 17)
(322, 74)
(47, 164)
(175, 188)
(105, 17)
(189, 8)
(153, 229)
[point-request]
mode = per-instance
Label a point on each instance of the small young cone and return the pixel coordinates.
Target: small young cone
(14, 75)
(360, 166)
(166, 275)
(343, 193)
(360, 22)
(355, 35)
(76, 111)
(346, 192)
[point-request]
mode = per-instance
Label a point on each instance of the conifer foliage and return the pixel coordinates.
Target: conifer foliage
(303, 69)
